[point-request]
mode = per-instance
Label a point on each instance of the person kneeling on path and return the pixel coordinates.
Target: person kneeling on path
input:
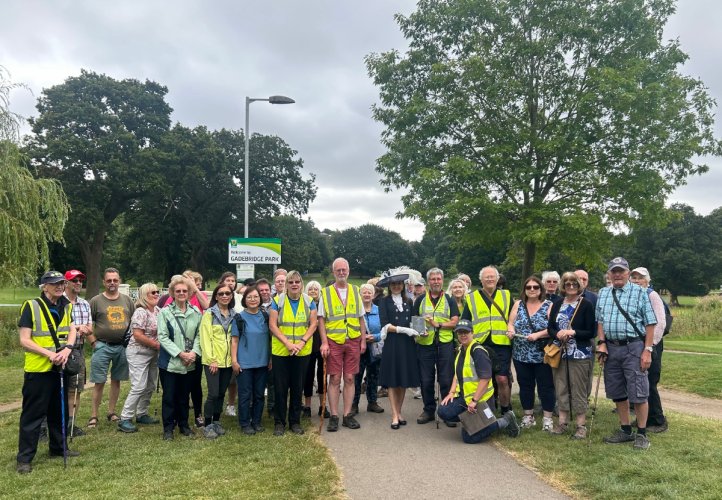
(472, 388)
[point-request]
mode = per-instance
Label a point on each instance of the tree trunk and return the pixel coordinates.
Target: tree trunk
(673, 300)
(92, 253)
(527, 268)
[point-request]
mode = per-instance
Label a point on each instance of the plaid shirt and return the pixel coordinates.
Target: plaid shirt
(81, 316)
(634, 300)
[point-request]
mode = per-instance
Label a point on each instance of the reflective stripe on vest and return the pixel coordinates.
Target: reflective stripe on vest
(441, 314)
(488, 321)
(470, 377)
(342, 322)
(292, 326)
(40, 334)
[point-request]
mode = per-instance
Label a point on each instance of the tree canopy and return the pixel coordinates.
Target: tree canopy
(545, 122)
(371, 249)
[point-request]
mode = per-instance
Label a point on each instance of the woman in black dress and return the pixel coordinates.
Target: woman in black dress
(399, 365)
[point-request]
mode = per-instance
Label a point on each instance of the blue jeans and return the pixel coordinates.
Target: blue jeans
(251, 385)
(372, 378)
(450, 413)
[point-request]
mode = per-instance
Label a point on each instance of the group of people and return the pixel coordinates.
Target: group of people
(456, 345)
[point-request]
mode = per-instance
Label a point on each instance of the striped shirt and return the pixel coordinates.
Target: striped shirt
(634, 301)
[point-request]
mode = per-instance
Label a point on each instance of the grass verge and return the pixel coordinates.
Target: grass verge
(685, 462)
(709, 345)
(701, 375)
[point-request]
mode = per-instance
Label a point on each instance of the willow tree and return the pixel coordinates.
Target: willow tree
(546, 122)
(32, 212)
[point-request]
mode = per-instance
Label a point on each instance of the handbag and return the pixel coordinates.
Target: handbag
(73, 365)
(552, 352)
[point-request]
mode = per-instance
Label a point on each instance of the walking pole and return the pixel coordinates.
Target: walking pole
(596, 394)
(62, 419)
(75, 406)
(569, 382)
(323, 397)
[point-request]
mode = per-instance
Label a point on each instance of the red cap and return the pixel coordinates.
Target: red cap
(73, 273)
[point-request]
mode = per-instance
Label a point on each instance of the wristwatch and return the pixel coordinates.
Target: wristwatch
(474, 400)
(649, 348)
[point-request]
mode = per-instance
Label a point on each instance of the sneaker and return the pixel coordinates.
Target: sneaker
(167, 435)
(656, 429)
(231, 410)
(127, 426)
(209, 432)
(559, 429)
(306, 412)
(424, 418)
(354, 410)
(449, 424)
(374, 408)
(258, 428)
(619, 437)
(187, 431)
(146, 420)
(417, 393)
(383, 393)
(75, 431)
(279, 430)
(512, 429)
(527, 421)
(641, 442)
(200, 422)
(350, 422)
(219, 430)
(24, 468)
(248, 430)
(297, 429)
(581, 433)
(547, 424)
(332, 423)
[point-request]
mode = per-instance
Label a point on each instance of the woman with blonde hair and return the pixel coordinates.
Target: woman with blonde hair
(458, 290)
(142, 356)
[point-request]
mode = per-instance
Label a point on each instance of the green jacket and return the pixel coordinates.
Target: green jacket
(171, 325)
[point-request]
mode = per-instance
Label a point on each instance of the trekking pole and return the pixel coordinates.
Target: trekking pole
(62, 419)
(75, 406)
(438, 402)
(596, 394)
(323, 397)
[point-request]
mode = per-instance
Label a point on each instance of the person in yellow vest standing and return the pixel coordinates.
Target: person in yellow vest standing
(488, 310)
(343, 340)
(472, 388)
(292, 321)
(435, 350)
(41, 319)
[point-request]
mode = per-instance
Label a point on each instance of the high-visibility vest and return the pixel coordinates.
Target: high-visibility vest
(489, 320)
(342, 322)
(441, 313)
(40, 334)
(470, 378)
(292, 326)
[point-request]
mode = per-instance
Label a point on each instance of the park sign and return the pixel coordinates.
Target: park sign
(254, 250)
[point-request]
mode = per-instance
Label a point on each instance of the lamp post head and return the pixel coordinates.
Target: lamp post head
(280, 99)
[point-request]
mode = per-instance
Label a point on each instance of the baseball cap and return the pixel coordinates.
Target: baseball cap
(464, 325)
(618, 262)
(51, 277)
(74, 273)
(641, 271)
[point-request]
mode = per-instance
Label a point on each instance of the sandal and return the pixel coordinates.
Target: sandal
(92, 423)
(112, 417)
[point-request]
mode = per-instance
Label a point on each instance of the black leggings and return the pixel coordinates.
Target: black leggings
(530, 375)
(217, 386)
(195, 386)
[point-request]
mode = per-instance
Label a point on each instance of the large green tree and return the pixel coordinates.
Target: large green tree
(540, 122)
(33, 212)
(371, 249)
(98, 137)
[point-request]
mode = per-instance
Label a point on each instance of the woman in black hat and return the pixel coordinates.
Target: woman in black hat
(399, 365)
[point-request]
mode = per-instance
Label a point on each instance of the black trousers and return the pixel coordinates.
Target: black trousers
(656, 415)
(41, 399)
(217, 386)
(288, 375)
(435, 361)
(196, 388)
(176, 390)
(314, 368)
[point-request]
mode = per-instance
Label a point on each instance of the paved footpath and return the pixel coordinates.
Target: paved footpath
(420, 462)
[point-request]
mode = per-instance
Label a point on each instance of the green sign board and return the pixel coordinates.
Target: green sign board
(254, 250)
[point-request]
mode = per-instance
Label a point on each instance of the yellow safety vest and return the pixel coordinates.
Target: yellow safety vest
(441, 314)
(292, 326)
(40, 334)
(470, 377)
(342, 323)
(489, 321)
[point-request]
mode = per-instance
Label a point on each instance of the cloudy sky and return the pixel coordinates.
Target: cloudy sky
(211, 55)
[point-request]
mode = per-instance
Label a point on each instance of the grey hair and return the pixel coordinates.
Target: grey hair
(489, 267)
(367, 286)
(434, 270)
(312, 284)
(550, 274)
(457, 280)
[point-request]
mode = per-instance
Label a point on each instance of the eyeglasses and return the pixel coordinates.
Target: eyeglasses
(181, 291)
(154, 292)
(551, 281)
(77, 280)
(571, 284)
(532, 287)
(224, 294)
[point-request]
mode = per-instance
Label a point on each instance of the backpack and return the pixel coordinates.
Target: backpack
(668, 318)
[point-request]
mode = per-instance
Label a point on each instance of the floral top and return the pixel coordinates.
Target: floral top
(523, 350)
(145, 320)
(564, 319)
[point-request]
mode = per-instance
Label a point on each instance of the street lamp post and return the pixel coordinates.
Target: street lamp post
(274, 99)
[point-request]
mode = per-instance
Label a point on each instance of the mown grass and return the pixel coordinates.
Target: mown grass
(685, 462)
(141, 465)
(17, 295)
(697, 374)
(710, 345)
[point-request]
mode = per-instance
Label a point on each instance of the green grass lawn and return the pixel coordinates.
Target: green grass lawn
(693, 373)
(685, 462)
(11, 377)
(711, 345)
(17, 295)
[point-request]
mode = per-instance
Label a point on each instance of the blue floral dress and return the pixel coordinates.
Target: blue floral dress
(523, 350)
(564, 319)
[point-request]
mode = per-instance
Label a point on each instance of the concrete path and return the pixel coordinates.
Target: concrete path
(420, 462)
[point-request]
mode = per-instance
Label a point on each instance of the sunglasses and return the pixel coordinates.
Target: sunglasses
(294, 282)
(154, 292)
(532, 287)
(76, 280)
(224, 294)
(112, 281)
(571, 284)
